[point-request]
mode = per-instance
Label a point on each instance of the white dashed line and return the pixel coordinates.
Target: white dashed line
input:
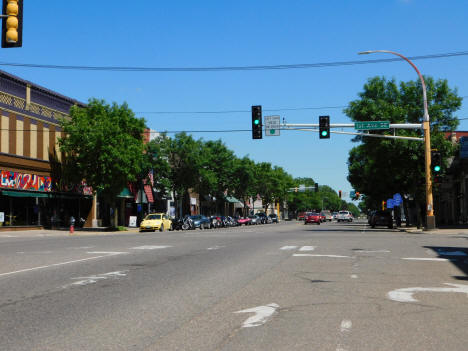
(354, 276)
(307, 248)
(288, 248)
(150, 247)
(346, 325)
(312, 255)
(426, 259)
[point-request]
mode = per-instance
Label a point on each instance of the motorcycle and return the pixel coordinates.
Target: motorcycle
(188, 223)
(177, 223)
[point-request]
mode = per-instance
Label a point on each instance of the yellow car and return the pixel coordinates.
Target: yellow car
(156, 221)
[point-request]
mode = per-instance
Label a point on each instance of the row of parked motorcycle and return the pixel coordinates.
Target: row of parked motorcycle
(203, 222)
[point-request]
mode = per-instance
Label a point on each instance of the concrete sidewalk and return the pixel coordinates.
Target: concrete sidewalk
(447, 230)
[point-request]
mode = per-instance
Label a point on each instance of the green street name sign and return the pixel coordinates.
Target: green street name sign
(369, 125)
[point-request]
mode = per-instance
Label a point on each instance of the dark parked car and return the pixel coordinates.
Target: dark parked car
(201, 221)
(254, 219)
(263, 217)
(382, 218)
(274, 218)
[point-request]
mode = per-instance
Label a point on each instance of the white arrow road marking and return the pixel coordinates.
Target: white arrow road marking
(406, 294)
(150, 247)
(288, 248)
(262, 315)
(94, 278)
(307, 248)
(312, 255)
(426, 259)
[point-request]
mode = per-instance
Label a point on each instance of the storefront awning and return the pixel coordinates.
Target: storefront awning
(125, 193)
(149, 193)
(24, 193)
(231, 199)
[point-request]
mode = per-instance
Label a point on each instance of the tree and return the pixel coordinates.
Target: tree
(156, 161)
(243, 180)
(183, 154)
(103, 145)
(379, 168)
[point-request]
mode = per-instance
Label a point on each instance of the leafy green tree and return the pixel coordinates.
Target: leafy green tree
(379, 168)
(243, 180)
(156, 161)
(216, 169)
(184, 156)
(103, 145)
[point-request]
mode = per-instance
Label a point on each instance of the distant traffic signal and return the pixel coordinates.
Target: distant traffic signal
(357, 195)
(257, 122)
(436, 161)
(316, 187)
(324, 127)
(12, 23)
(339, 193)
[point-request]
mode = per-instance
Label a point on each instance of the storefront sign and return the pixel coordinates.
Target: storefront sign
(22, 181)
(132, 221)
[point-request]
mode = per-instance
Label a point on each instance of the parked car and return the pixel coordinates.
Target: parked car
(301, 216)
(344, 216)
(274, 217)
(327, 214)
(156, 221)
(335, 215)
(243, 220)
(322, 217)
(312, 217)
(369, 216)
(263, 217)
(254, 219)
(201, 222)
(382, 218)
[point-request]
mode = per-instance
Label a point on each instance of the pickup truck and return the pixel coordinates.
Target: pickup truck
(344, 216)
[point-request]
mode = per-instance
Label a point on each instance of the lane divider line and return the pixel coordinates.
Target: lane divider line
(61, 263)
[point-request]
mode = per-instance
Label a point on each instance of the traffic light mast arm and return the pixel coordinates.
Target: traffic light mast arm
(362, 134)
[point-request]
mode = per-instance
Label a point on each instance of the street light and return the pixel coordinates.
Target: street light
(430, 221)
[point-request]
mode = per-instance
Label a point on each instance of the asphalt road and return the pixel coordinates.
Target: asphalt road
(283, 286)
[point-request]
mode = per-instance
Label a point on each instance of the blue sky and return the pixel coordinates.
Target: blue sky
(242, 33)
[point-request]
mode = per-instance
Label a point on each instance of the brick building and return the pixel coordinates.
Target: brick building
(30, 190)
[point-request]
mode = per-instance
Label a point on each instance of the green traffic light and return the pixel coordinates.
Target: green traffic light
(436, 168)
(256, 121)
(324, 133)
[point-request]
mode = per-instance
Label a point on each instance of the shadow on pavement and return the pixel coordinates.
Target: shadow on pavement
(457, 256)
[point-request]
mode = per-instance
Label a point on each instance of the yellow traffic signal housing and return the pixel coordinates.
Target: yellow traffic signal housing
(12, 23)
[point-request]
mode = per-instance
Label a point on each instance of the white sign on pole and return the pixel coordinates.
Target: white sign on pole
(2, 216)
(132, 221)
(272, 125)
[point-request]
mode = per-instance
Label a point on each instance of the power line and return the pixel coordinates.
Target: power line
(247, 111)
(241, 111)
(228, 68)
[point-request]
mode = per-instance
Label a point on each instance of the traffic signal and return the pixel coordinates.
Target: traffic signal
(357, 195)
(324, 127)
(12, 23)
(339, 193)
(436, 161)
(257, 122)
(316, 187)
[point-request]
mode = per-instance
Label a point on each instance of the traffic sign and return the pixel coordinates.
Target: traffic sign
(369, 125)
(272, 125)
(390, 203)
(397, 199)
